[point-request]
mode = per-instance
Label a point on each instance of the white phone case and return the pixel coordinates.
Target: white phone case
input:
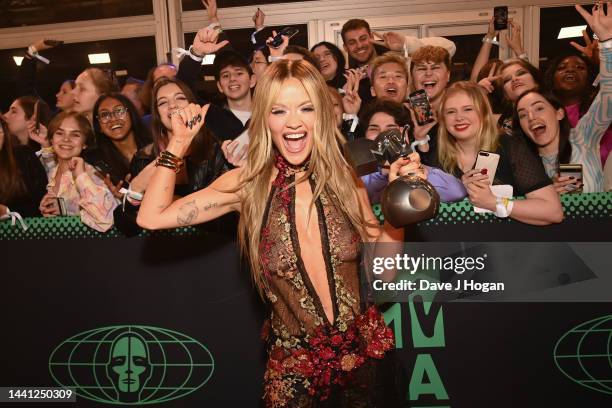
(489, 161)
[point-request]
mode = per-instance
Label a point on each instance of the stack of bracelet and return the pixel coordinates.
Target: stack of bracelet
(170, 161)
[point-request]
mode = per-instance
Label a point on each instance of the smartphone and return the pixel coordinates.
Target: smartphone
(37, 118)
(422, 107)
(487, 163)
(53, 43)
(572, 170)
(287, 32)
(500, 18)
(60, 204)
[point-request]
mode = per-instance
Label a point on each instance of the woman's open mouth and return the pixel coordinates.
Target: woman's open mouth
(294, 142)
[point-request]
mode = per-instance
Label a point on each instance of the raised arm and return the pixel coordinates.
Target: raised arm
(596, 121)
(485, 51)
(157, 210)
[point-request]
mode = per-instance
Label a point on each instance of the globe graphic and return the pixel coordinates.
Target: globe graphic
(131, 365)
(584, 354)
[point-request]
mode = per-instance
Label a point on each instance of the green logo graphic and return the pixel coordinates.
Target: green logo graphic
(131, 365)
(584, 354)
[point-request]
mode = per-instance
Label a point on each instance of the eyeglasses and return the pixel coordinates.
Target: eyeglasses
(117, 113)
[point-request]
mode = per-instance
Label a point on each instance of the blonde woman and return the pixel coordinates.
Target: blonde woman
(467, 126)
(326, 347)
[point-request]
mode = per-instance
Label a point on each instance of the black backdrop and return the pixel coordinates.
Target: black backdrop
(486, 354)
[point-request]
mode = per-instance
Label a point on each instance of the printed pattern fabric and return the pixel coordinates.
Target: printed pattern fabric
(314, 362)
(86, 196)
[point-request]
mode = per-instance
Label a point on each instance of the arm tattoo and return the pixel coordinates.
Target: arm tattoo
(209, 206)
(187, 213)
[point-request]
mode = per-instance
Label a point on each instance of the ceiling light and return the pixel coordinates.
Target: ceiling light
(18, 60)
(103, 58)
(571, 32)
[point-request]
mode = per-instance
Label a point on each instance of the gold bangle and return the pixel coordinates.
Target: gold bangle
(170, 161)
(168, 164)
(170, 156)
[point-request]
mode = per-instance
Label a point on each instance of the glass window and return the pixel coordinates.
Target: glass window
(15, 13)
(133, 55)
(468, 47)
(552, 20)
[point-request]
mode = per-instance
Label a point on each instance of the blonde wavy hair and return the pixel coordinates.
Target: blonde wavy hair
(333, 173)
(488, 134)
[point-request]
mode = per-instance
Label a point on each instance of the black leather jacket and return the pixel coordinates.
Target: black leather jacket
(199, 176)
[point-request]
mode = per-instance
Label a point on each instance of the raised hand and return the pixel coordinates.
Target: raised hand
(514, 39)
(590, 49)
(40, 45)
(394, 41)
(491, 32)
(600, 23)
(186, 123)
(277, 52)
(211, 10)
(421, 132)
(258, 19)
(488, 83)
(205, 41)
(39, 135)
(351, 102)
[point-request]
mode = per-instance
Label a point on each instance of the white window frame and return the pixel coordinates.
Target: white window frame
(152, 25)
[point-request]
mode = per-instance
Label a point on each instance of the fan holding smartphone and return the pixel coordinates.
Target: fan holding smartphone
(492, 167)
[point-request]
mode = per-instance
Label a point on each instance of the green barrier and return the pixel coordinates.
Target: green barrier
(590, 206)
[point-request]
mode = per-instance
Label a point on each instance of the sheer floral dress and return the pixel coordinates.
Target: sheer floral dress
(312, 361)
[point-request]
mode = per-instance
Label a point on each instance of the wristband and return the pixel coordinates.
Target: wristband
(135, 195)
(605, 44)
(181, 52)
(524, 57)
(14, 216)
(503, 207)
(418, 143)
(272, 59)
(33, 52)
(488, 40)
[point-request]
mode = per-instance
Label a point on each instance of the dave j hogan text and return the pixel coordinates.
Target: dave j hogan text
(461, 285)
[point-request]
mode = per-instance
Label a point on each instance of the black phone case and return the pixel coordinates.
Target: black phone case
(287, 31)
(500, 18)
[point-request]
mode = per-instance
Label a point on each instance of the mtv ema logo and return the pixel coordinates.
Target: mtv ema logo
(131, 365)
(584, 354)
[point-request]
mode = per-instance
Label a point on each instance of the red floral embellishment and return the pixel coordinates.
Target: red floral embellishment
(331, 356)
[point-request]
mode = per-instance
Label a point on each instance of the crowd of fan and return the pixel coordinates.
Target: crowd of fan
(94, 154)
